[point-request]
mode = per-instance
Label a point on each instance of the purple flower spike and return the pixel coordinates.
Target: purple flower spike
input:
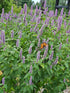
(47, 40)
(17, 43)
(67, 40)
(3, 80)
(24, 19)
(45, 4)
(21, 53)
(51, 47)
(36, 9)
(0, 43)
(64, 23)
(69, 13)
(59, 22)
(41, 30)
(21, 11)
(30, 50)
(25, 8)
(12, 10)
(31, 10)
(33, 17)
(38, 56)
(12, 34)
(2, 15)
(62, 12)
(60, 46)
(51, 13)
(51, 66)
(30, 69)
(54, 63)
(47, 21)
(31, 30)
(3, 36)
(20, 34)
(2, 20)
(23, 59)
(64, 80)
(15, 16)
(54, 33)
(51, 56)
(26, 23)
(30, 81)
(56, 11)
(67, 56)
(64, 15)
(52, 23)
(38, 36)
(68, 31)
(39, 42)
(45, 52)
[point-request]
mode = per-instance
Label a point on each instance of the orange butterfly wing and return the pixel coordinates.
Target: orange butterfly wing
(43, 45)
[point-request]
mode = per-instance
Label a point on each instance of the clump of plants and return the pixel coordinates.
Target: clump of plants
(34, 51)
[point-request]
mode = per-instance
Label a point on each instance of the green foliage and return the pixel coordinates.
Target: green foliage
(16, 9)
(6, 4)
(22, 2)
(17, 73)
(51, 4)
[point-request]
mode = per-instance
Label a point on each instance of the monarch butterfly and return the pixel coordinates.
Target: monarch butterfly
(43, 45)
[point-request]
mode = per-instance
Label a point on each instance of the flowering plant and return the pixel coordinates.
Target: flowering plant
(25, 66)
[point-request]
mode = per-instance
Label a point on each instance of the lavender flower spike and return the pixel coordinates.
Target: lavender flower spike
(12, 34)
(25, 8)
(67, 40)
(31, 10)
(20, 34)
(21, 11)
(12, 10)
(64, 80)
(3, 36)
(51, 56)
(59, 22)
(39, 42)
(3, 80)
(30, 81)
(23, 59)
(17, 43)
(45, 52)
(41, 30)
(62, 11)
(60, 46)
(69, 13)
(47, 40)
(51, 47)
(38, 56)
(64, 23)
(21, 53)
(0, 43)
(55, 61)
(2, 15)
(45, 4)
(30, 69)
(50, 66)
(30, 50)
(56, 11)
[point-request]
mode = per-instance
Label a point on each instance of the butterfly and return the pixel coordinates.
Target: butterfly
(0, 73)
(43, 45)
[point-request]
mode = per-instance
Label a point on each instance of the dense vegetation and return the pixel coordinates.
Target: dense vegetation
(25, 64)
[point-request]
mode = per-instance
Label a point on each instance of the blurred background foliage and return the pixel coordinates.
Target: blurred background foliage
(18, 4)
(6, 4)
